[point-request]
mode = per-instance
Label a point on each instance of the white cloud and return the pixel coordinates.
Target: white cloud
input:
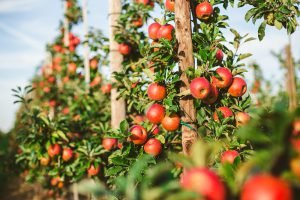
(24, 59)
(21, 36)
(7, 6)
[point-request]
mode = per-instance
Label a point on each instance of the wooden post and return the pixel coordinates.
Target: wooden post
(66, 27)
(118, 111)
(291, 82)
(186, 60)
(86, 45)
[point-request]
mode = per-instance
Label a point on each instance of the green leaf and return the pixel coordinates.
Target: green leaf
(261, 30)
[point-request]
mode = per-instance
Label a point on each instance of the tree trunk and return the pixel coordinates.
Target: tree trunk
(86, 45)
(117, 106)
(186, 60)
(291, 82)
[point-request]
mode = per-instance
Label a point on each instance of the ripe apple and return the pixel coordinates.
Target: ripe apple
(72, 68)
(94, 63)
(295, 166)
(219, 55)
(44, 161)
(145, 2)
(153, 30)
(54, 181)
(241, 118)
(170, 5)
(204, 10)
(138, 134)
(124, 49)
(166, 32)
(200, 88)
(106, 88)
(229, 156)
(54, 150)
(52, 103)
(156, 92)
(296, 127)
(153, 147)
(96, 81)
(204, 182)
(155, 113)
(67, 154)
(226, 112)
(93, 171)
(66, 110)
(60, 184)
(138, 119)
(225, 79)
(155, 129)
(213, 95)
(171, 123)
(109, 143)
(137, 22)
(238, 87)
(51, 79)
(46, 89)
(265, 186)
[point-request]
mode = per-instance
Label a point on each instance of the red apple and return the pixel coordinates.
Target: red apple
(229, 156)
(156, 92)
(213, 95)
(204, 10)
(226, 112)
(171, 123)
(137, 22)
(153, 147)
(265, 186)
(52, 103)
(51, 79)
(54, 181)
(106, 88)
(241, 118)
(124, 49)
(155, 129)
(138, 134)
(44, 161)
(155, 113)
(94, 63)
(200, 88)
(166, 32)
(153, 30)
(219, 55)
(170, 5)
(225, 79)
(53, 150)
(145, 2)
(46, 89)
(93, 171)
(109, 143)
(72, 68)
(238, 87)
(67, 154)
(96, 81)
(204, 182)
(296, 127)
(66, 110)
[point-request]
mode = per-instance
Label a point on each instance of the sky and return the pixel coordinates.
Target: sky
(26, 26)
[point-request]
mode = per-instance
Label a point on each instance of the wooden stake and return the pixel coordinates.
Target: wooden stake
(118, 111)
(291, 82)
(186, 60)
(86, 45)
(66, 27)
